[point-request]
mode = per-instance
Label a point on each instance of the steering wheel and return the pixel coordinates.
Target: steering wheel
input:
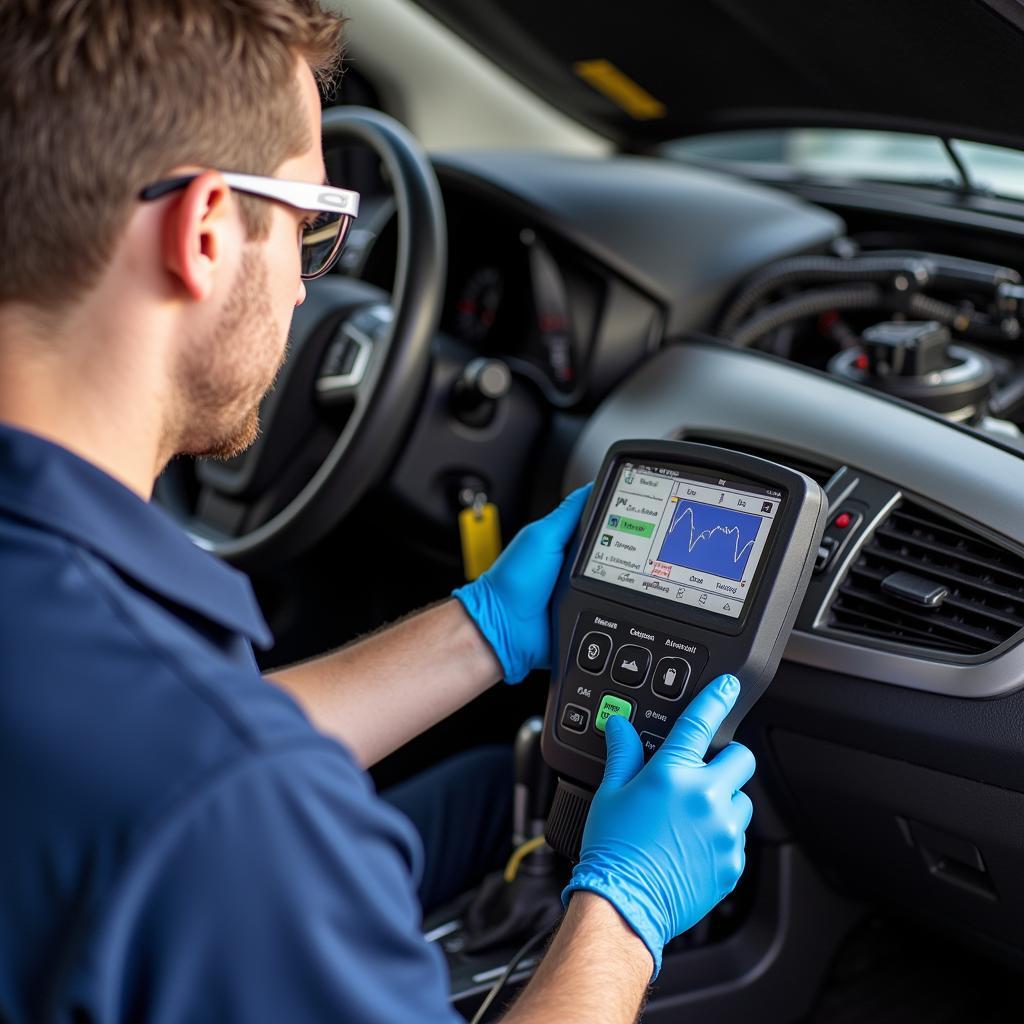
(356, 367)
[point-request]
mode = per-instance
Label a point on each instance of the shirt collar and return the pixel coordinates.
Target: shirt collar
(55, 489)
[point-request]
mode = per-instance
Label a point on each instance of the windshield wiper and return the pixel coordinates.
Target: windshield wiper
(968, 186)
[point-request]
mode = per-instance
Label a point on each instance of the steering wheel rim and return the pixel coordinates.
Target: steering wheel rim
(393, 379)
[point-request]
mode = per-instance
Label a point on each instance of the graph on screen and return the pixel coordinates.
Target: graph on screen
(710, 539)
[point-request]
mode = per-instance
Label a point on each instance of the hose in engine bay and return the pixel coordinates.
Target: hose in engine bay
(800, 270)
(892, 281)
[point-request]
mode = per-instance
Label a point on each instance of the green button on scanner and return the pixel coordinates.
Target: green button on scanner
(612, 705)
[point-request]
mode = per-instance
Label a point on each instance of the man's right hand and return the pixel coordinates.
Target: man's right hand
(664, 842)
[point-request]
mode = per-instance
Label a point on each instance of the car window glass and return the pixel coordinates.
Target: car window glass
(856, 154)
(993, 168)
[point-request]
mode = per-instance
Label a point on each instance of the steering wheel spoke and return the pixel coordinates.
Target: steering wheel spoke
(359, 342)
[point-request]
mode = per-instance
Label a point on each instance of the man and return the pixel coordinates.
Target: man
(184, 840)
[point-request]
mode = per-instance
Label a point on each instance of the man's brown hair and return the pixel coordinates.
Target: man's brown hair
(99, 98)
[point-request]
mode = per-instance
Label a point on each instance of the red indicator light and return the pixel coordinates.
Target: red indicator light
(861, 362)
(842, 521)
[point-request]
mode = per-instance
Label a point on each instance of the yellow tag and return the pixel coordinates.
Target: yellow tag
(617, 86)
(481, 538)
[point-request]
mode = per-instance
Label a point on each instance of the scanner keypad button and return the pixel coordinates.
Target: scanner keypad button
(593, 654)
(631, 664)
(612, 704)
(575, 718)
(670, 678)
(650, 741)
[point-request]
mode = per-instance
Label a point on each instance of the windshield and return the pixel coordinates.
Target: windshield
(859, 155)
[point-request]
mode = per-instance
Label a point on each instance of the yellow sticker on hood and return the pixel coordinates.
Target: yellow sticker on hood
(633, 98)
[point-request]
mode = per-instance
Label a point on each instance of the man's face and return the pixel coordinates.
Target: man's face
(223, 374)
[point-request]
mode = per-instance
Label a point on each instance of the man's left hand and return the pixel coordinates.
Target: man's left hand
(509, 602)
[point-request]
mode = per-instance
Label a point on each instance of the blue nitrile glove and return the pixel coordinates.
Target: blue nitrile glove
(664, 841)
(509, 602)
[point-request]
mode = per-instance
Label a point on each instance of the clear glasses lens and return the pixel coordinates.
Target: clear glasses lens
(321, 242)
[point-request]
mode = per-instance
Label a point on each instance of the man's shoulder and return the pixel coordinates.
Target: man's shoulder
(103, 720)
(78, 639)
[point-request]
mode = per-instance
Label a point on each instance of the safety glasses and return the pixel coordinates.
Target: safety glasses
(331, 210)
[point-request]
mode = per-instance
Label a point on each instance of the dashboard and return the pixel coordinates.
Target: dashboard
(891, 739)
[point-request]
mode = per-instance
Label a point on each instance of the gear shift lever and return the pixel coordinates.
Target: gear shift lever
(534, 786)
(504, 912)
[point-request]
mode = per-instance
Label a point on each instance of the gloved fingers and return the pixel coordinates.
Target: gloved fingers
(734, 872)
(733, 767)
(563, 520)
(743, 808)
(625, 752)
(691, 736)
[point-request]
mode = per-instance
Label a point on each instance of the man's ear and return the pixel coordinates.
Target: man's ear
(195, 233)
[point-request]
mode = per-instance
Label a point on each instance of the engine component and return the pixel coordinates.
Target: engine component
(916, 361)
(798, 271)
(897, 279)
(850, 297)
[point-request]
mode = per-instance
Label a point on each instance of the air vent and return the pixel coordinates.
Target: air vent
(984, 605)
(816, 471)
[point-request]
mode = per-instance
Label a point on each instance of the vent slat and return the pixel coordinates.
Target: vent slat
(1013, 618)
(927, 623)
(928, 521)
(887, 621)
(985, 604)
(948, 577)
(863, 622)
(887, 632)
(982, 566)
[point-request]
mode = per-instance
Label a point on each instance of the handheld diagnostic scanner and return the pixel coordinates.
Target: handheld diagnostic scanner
(690, 561)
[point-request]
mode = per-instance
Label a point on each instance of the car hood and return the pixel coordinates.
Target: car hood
(652, 70)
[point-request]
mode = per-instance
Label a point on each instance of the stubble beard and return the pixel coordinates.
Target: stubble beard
(223, 376)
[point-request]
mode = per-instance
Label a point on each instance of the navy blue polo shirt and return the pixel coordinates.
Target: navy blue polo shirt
(177, 843)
